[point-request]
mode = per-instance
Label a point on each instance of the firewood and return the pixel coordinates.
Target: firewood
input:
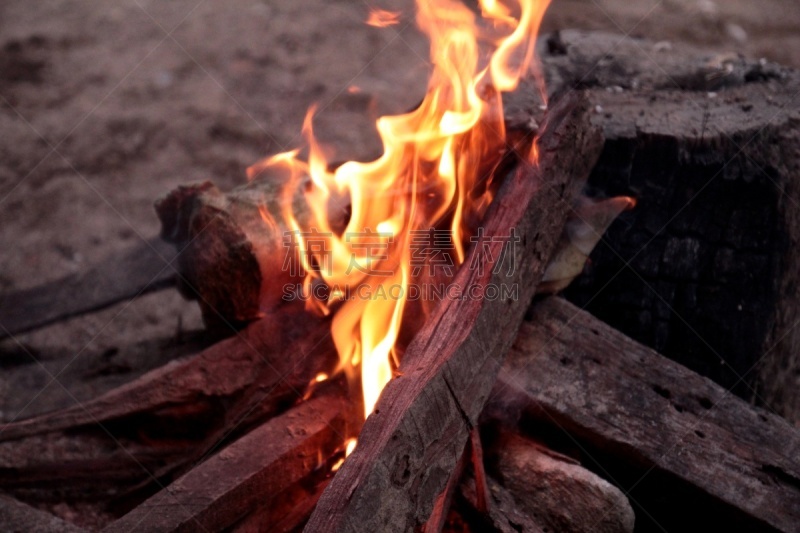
(144, 268)
(169, 418)
(249, 475)
(668, 437)
(287, 346)
(563, 496)
(233, 246)
(709, 145)
(410, 444)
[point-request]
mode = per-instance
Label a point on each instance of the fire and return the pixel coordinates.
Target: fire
(349, 446)
(381, 18)
(435, 172)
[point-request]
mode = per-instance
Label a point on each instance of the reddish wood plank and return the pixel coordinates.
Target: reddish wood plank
(410, 445)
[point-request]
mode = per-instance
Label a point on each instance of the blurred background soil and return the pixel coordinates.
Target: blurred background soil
(104, 106)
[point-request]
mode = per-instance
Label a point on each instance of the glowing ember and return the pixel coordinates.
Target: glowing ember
(435, 172)
(380, 18)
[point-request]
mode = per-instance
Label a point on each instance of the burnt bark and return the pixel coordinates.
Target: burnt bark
(669, 438)
(705, 268)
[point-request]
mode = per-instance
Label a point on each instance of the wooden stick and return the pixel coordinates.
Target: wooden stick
(251, 473)
(411, 443)
(139, 270)
(671, 437)
(279, 346)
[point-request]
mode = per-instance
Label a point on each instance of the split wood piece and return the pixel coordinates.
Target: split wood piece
(248, 475)
(223, 393)
(561, 495)
(668, 437)
(709, 144)
(503, 515)
(17, 517)
(139, 270)
(410, 444)
(284, 349)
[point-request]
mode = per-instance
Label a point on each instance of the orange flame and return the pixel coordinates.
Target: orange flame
(381, 18)
(435, 171)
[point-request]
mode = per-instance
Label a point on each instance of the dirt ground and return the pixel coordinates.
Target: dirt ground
(104, 106)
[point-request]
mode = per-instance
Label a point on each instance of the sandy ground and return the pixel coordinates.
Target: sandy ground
(104, 106)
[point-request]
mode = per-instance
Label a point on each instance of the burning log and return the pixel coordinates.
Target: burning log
(253, 475)
(670, 438)
(232, 246)
(410, 445)
(704, 270)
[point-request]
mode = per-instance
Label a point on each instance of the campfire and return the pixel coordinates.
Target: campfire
(378, 363)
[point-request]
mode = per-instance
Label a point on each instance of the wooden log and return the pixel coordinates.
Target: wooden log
(167, 420)
(248, 476)
(142, 269)
(705, 269)
(669, 438)
(286, 348)
(562, 495)
(234, 245)
(410, 444)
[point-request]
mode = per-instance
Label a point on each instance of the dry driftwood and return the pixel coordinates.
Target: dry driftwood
(144, 268)
(709, 144)
(669, 438)
(410, 444)
(248, 476)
